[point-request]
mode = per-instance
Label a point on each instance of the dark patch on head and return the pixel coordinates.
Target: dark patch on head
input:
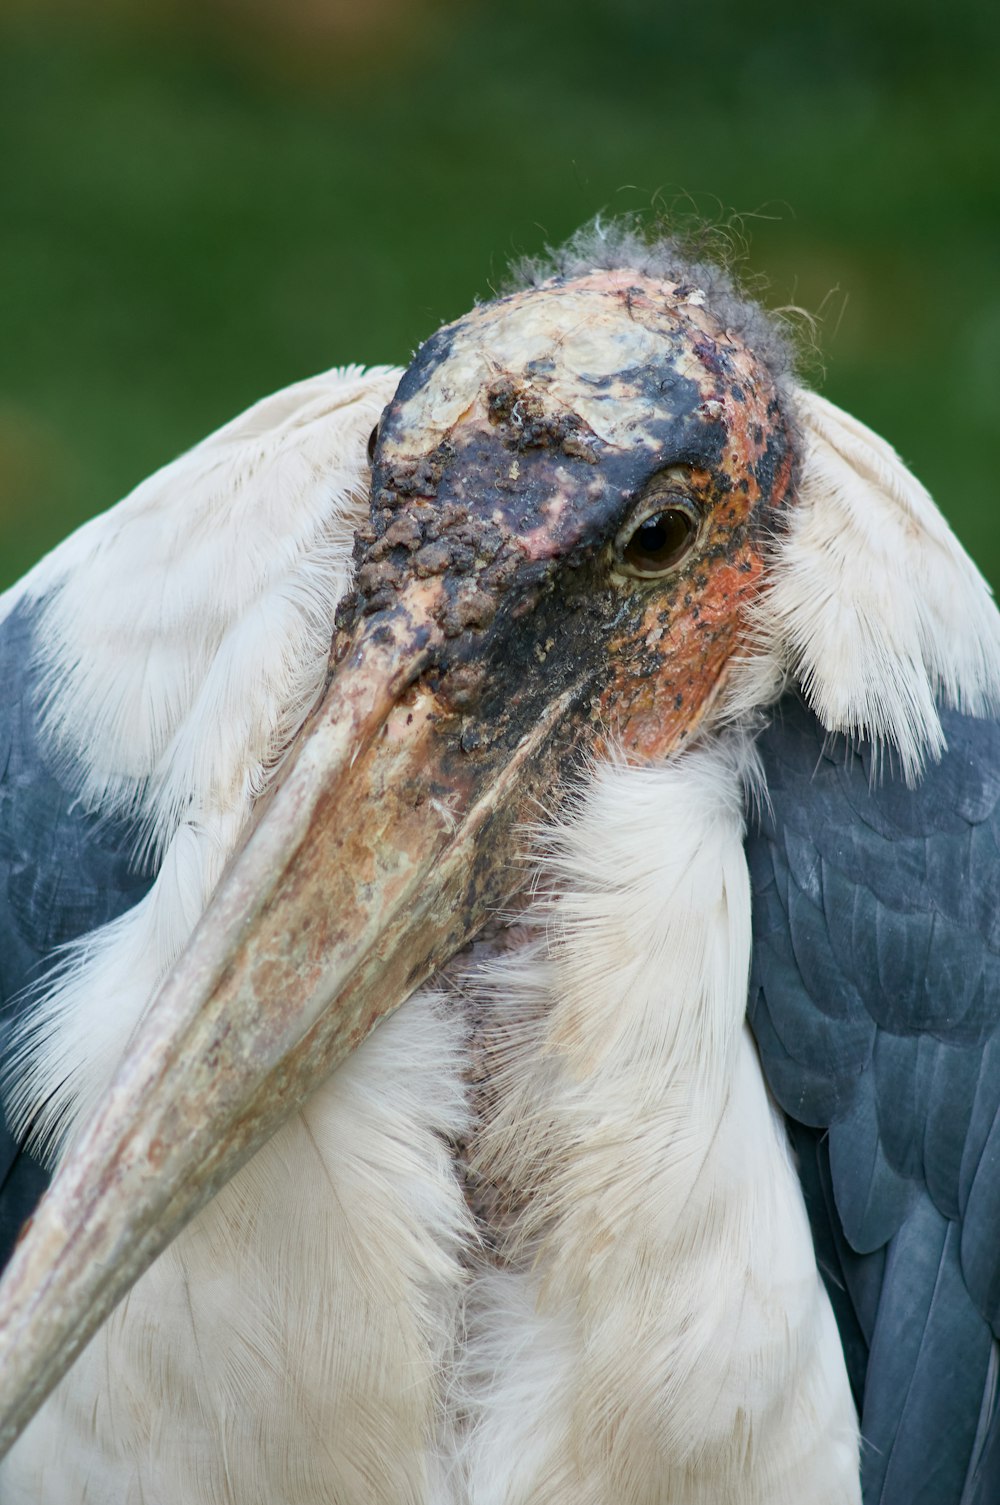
(434, 350)
(771, 462)
(714, 357)
(519, 463)
(532, 427)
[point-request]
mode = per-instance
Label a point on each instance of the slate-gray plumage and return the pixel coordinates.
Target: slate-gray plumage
(875, 1001)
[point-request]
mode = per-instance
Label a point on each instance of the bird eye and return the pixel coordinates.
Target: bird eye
(659, 542)
(372, 441)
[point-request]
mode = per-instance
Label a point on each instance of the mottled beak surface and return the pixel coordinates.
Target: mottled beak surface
(572, 492)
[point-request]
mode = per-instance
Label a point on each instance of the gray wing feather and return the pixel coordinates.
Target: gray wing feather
(875, 1001)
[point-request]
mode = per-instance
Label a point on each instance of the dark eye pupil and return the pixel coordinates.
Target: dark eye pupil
(660, 541)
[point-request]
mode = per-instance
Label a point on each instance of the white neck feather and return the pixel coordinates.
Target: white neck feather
(655, 1241)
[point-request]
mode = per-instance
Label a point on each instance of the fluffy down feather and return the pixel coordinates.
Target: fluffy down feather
(875, 609)
(657, 1331)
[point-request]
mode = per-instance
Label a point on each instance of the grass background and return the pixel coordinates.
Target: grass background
(201, 200)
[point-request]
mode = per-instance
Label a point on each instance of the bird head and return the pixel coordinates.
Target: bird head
(574, 486)
(574, 491)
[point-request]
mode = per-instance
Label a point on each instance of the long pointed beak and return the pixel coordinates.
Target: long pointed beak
(363, 875)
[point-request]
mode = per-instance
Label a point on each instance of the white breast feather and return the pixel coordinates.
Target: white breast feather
(659, 1332)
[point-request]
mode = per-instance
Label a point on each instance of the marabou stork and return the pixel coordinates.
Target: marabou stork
(653, 673)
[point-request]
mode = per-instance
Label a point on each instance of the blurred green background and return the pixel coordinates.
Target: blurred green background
(202, 201)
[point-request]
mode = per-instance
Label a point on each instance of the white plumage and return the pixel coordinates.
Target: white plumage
(643, 1321)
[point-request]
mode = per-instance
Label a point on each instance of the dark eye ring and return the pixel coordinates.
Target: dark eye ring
(372, 441)
(660, 541)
